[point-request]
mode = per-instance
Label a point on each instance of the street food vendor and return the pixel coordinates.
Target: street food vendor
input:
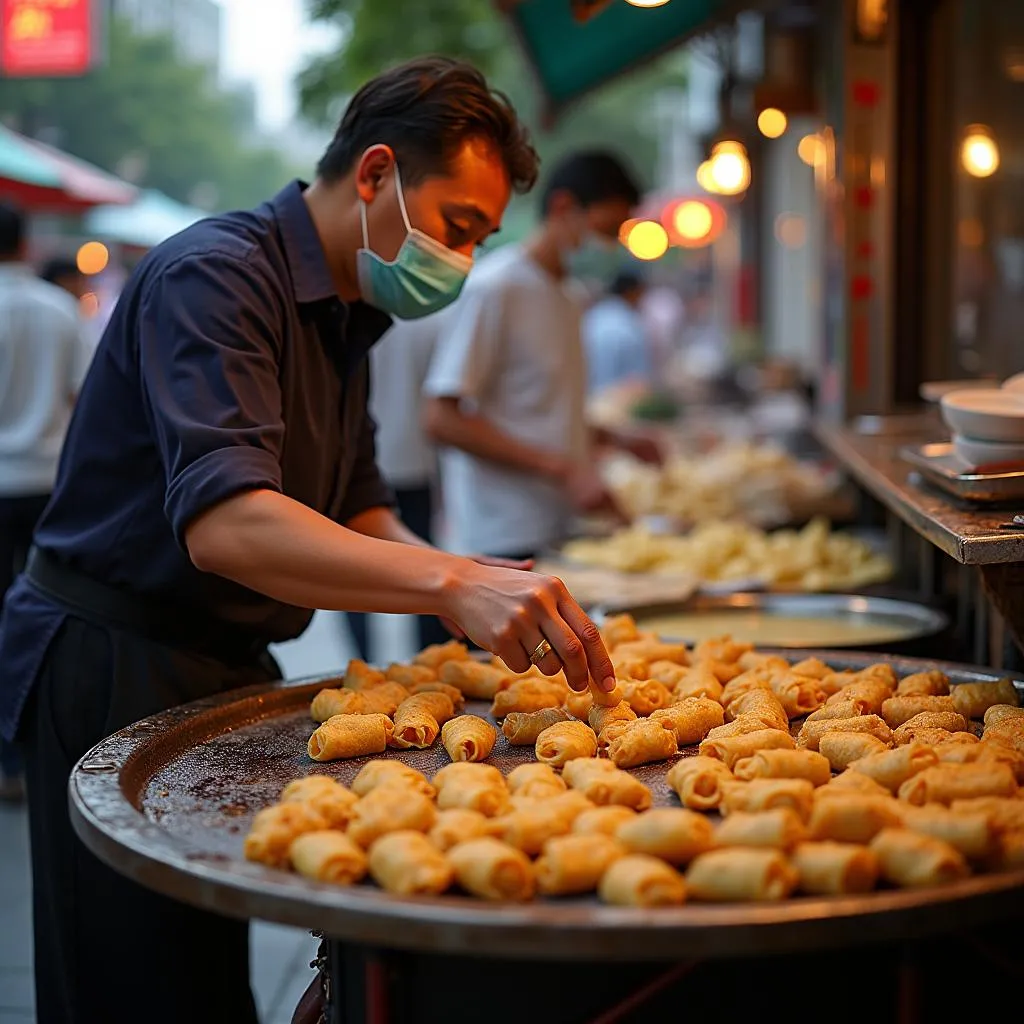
(218, 484)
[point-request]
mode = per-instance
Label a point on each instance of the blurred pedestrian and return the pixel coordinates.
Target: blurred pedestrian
(63, 272)
(615, 337)
(406, 456)
(41, 366)
(507, 385)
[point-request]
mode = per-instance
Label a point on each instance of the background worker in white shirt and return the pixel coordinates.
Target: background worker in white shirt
(615, 337)
(405, 455)
(507, 384)
(43, 360)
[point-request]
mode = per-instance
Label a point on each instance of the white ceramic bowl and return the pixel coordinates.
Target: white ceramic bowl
(980, 453)
(1014, 384)
(934, 390)
(996, 415)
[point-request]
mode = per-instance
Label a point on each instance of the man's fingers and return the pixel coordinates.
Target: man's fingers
(599, 662)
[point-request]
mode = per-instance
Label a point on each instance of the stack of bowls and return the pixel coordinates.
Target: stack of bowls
(987, 425)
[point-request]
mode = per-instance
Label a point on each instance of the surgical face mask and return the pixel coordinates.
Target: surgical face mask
(597, 258)
(424, 276)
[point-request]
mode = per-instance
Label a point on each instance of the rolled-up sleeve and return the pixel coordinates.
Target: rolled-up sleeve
(365, 488)
(209, 363)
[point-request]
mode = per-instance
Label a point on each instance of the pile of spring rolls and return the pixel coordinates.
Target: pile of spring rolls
(791, 779)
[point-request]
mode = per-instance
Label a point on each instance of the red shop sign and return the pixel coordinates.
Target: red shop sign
(40, 38)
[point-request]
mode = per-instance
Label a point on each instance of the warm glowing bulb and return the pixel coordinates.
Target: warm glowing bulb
(647, 3)
(979, 152)
(704, 178)
(692, 220)
(648, 240)
(791, 230)
(624, 230)
(728, 146)
(771, 122)
(730, 172)
(808, 149)
(92, 258)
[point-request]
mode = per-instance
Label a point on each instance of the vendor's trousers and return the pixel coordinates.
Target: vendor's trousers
(108, 951)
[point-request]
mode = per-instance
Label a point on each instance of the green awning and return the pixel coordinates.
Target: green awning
(572, 58)
(20, 163)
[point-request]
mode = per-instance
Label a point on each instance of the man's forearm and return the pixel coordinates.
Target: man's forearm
(476, 435)
(279, 547)
(383, 524)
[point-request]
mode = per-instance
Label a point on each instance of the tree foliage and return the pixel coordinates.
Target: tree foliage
(147, 114)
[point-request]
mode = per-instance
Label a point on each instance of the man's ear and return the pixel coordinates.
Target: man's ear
(375, 166)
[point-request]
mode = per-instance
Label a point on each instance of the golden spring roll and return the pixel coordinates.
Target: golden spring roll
(881, 671)
(872, 692)
(350, 736)
(468, 738)
(971, 834)
(721, 648)
(407, 863)
(741, 874)
(1007, 852)
(724, 671)
(325, 795)
(328, 856)
(437, 655)
(944, 783)
(575, 863)
(781, 828)
(731, 749)
(891, 768)
(619, 629)
(853, 817)
(600, 786)
(698, 681)
(604, 820)
(439, 705)
(698, 781)
(390, 808)
(654, 650)
(453, 693)
(527, 695)
(752, 679)
(815, 668)
(459, 825)
(785, 764)
(740, 726)
(409, 675)
(843, 709)
(643, 742)
(461, 771)
(529, 827)
(527, 777)
(646, 695)
(690, 719)
(274, 828)
(912, 859)
(384, 698)
(493, 870)
(799, 695)
(475, 793)
(637, 880)
(922, 735)
(933, 683)
(674, 834)
(605, 698)
(850, 782)
(328, 703)
(843, 748)
(611, 732)
(476, 680)
(628, 666)
(1005, 814)
(763, 705)
(988, 752)
(522, 729)
(811, 732)
(383, 771)
(897, 710)
(360, 676)
(767, 794)
(579, 704)
(1009, 732)
(599, 716)
(1001, 712)
(771, 663)
(950, 721)
(669, 673)
(836, 681)
(563, 741)
(828, 868)
(957, 753)
(415, 727)
(972, 700)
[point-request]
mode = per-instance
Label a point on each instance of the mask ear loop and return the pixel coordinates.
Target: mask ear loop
(401, 199)
(362, 220)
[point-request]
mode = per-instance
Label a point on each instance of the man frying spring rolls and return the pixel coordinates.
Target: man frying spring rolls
(218, 483)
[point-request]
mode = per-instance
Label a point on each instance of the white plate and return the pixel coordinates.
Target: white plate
(934, 390)
(980, 453)
(982, 415)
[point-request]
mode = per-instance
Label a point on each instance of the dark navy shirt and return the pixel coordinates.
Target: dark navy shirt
(229, 364)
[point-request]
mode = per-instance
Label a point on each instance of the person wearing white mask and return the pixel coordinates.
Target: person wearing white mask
(507, 385)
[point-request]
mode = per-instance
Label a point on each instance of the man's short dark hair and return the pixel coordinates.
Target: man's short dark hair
(625, 282)
(426, 110)
(58, 267)
(12, 230)
(591, 176)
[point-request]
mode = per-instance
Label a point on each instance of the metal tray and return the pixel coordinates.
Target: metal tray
(168, 801)
(915, 620)
(937, 464)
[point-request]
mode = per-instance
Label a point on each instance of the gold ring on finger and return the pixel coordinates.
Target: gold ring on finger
(540, 652)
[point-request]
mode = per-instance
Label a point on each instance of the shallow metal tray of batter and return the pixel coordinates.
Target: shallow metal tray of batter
(937, 464)
(168, 802)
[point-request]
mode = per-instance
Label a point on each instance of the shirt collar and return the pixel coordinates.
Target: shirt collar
(311, 277)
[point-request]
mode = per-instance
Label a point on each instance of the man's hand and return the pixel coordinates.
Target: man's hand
(588, 493)
(499, 563)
